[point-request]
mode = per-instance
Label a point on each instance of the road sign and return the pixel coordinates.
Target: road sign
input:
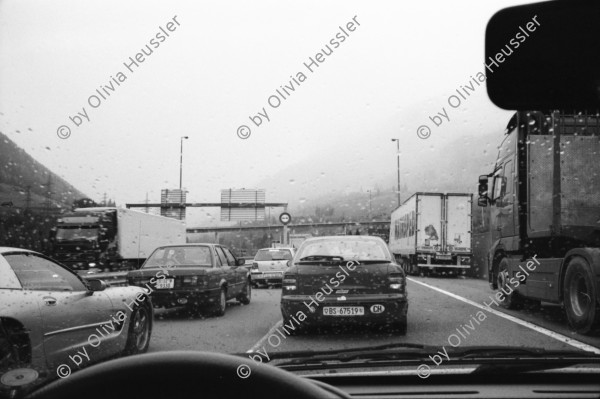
(242, 204)
(285, 218)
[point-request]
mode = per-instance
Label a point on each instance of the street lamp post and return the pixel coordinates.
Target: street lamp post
(181, 162)
(398, 159)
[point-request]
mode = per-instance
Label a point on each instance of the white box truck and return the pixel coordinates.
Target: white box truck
(112, 239)
(431, 232)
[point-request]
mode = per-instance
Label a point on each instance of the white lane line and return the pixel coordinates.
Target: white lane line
(261, 341)
(541, 330)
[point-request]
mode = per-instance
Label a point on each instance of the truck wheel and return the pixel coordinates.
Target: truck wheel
(410, 268)
(580, 296)
(404, 264)
(511, 300)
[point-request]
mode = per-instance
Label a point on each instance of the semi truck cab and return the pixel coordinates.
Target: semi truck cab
(544, 198)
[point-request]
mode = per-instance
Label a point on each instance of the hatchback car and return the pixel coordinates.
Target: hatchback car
(52, 321)
(270, 264)
(194, 275)
(344, 279)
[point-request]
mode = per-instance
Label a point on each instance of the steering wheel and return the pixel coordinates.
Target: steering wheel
(184, 374)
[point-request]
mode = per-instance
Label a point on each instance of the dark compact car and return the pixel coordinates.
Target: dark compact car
(194, 275)
(344, 279)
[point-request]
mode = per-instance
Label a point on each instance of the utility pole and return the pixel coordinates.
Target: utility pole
(398, 160)
(181, 161)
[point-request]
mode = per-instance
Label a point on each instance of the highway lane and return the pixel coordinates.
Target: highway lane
(439, 314)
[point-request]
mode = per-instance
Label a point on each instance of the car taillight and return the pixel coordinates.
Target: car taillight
(196, 281)
(397, 281)
(289, 284)
(254, 265)
(190, 280)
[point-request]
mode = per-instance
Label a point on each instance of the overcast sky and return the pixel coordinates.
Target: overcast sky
(219, 67)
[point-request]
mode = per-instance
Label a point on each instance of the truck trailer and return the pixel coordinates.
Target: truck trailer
(544, 199)
(112, 239)
(431, 232)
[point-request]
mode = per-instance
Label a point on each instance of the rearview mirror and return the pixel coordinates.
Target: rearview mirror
(544, 56)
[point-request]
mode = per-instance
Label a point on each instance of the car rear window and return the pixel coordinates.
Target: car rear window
(179, 256)
(273, 254)
(346, 248)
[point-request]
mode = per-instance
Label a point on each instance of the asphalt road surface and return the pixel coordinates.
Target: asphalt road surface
(442, 311)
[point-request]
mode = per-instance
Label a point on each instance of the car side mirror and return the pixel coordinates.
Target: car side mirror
(289, 263)
(96, 285)
(240, 262)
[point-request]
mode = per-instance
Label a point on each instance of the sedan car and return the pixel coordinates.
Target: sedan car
(344, 279)
(270, 264)
(52, 321)
(194, 275)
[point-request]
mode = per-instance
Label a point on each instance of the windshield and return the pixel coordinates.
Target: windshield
(180, 256)
(76, 233)
(283, 177)
(273, 254)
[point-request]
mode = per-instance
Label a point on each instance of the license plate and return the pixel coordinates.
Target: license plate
(444, 257)
(343, 311)
(166, 283)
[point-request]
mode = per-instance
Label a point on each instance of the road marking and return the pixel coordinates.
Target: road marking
(541, 330)
(260, 342)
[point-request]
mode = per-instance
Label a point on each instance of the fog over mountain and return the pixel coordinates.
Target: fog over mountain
(319, 181)
(25, 182)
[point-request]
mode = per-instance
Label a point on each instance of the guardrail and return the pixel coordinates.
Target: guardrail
(115, 279)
